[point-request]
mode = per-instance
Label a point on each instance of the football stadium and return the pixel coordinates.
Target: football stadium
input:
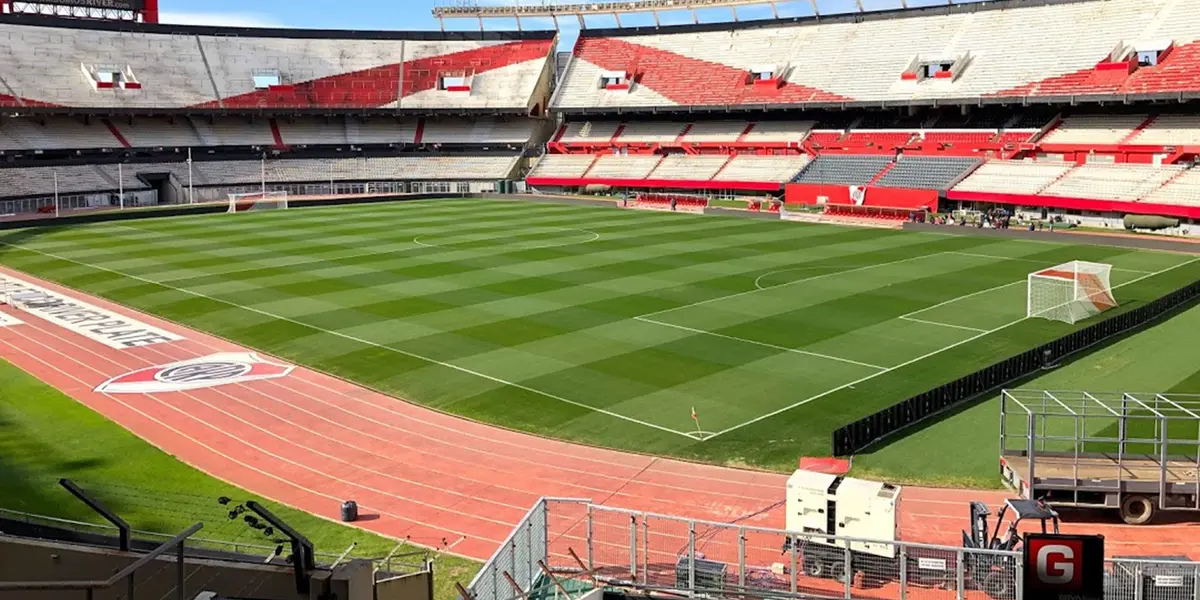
(606, 299)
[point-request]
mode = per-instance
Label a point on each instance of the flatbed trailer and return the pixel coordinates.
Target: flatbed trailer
(1136, 453)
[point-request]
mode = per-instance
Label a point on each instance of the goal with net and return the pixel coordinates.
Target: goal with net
(1070, 292)
(258, 201)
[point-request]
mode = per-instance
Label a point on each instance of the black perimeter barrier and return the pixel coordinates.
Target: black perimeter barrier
(860, 434)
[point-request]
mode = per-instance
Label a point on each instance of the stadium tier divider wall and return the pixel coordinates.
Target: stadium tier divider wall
(858, 435)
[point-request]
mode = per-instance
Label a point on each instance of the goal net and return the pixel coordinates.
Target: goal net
(1070, 292)
(257, 201)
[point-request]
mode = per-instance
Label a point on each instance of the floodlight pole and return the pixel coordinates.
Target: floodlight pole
(191, 191)
(121, 186)
(56, 194)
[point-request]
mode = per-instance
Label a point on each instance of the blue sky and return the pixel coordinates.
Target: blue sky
(415, 14)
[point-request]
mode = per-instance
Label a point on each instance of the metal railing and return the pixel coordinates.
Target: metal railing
(518, 556)
(1133, 579)
(127, 574)
(605, 546)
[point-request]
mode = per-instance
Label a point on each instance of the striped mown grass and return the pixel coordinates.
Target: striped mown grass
(593, 324)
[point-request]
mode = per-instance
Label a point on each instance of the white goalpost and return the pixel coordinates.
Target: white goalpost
(1070, 292)
(258, 201)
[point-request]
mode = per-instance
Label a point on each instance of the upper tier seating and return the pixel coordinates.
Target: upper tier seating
(837, 59)
(696, 132)
(1170, 130)
(32, 181)
(1111, 181)
(923, 172)
(478, 131)
(1013, 176)
(843, 169)
(651, 131)
(705, 132)
(594, 132)
(779, 131)
(42, 65)
(1183, 189)
(53, 132)
(1094, 129)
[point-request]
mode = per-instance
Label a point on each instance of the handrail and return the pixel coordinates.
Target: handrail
(106, 583)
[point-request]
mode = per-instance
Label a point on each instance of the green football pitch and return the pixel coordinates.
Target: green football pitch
(594, 324)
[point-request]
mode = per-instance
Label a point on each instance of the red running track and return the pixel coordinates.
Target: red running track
(310, 441)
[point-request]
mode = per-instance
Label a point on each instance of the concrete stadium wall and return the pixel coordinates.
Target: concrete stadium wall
(25, 559)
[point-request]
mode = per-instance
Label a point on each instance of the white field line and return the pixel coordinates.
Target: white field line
(963, 297)
(963, 327)
(308, 261)
(919, 358)
(356, 339)
(771, 287)
(1032, 260)
(594, 236)
(763, 344)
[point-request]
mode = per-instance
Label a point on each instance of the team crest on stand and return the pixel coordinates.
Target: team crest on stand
(204, 372)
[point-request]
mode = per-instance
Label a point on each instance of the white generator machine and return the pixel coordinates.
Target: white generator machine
(867, 512)
(841, 506)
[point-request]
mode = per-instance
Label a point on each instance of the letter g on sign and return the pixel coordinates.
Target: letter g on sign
(1056, 564)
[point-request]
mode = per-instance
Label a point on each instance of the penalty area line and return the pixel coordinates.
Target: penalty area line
(920, 358)
(963, 327)
(357, 339)
(763, 344)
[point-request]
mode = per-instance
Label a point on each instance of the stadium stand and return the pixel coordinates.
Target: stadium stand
(1111, 182)
(205, 68)
(762, 168)
(1095, 129)
(1013, 177)
(1170, 130)
(843, 170)
(62, 133)
(932, 173)
(1183, 189)
(99, 178)
(618, 166)
(562, 166)
(971, 44)
(683, 166)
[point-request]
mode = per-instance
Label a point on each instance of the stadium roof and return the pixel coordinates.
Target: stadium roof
(516, 9)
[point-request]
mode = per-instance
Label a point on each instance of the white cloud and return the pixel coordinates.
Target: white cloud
(219, 19)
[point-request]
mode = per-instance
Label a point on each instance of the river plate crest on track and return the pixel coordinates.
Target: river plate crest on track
(204, 372)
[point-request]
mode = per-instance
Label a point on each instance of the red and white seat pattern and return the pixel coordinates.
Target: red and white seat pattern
(47, 66)
(1121, 187)
(677, 171)
(1006, 50)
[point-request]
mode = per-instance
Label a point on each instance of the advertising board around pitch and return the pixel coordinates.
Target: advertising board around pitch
(1064, 567)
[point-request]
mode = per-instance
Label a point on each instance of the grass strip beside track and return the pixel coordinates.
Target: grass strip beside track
(45, 435)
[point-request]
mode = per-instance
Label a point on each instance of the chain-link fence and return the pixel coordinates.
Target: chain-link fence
(604, 546)
(1132, 579)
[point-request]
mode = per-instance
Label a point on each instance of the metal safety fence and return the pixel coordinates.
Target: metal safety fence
(560, 540)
